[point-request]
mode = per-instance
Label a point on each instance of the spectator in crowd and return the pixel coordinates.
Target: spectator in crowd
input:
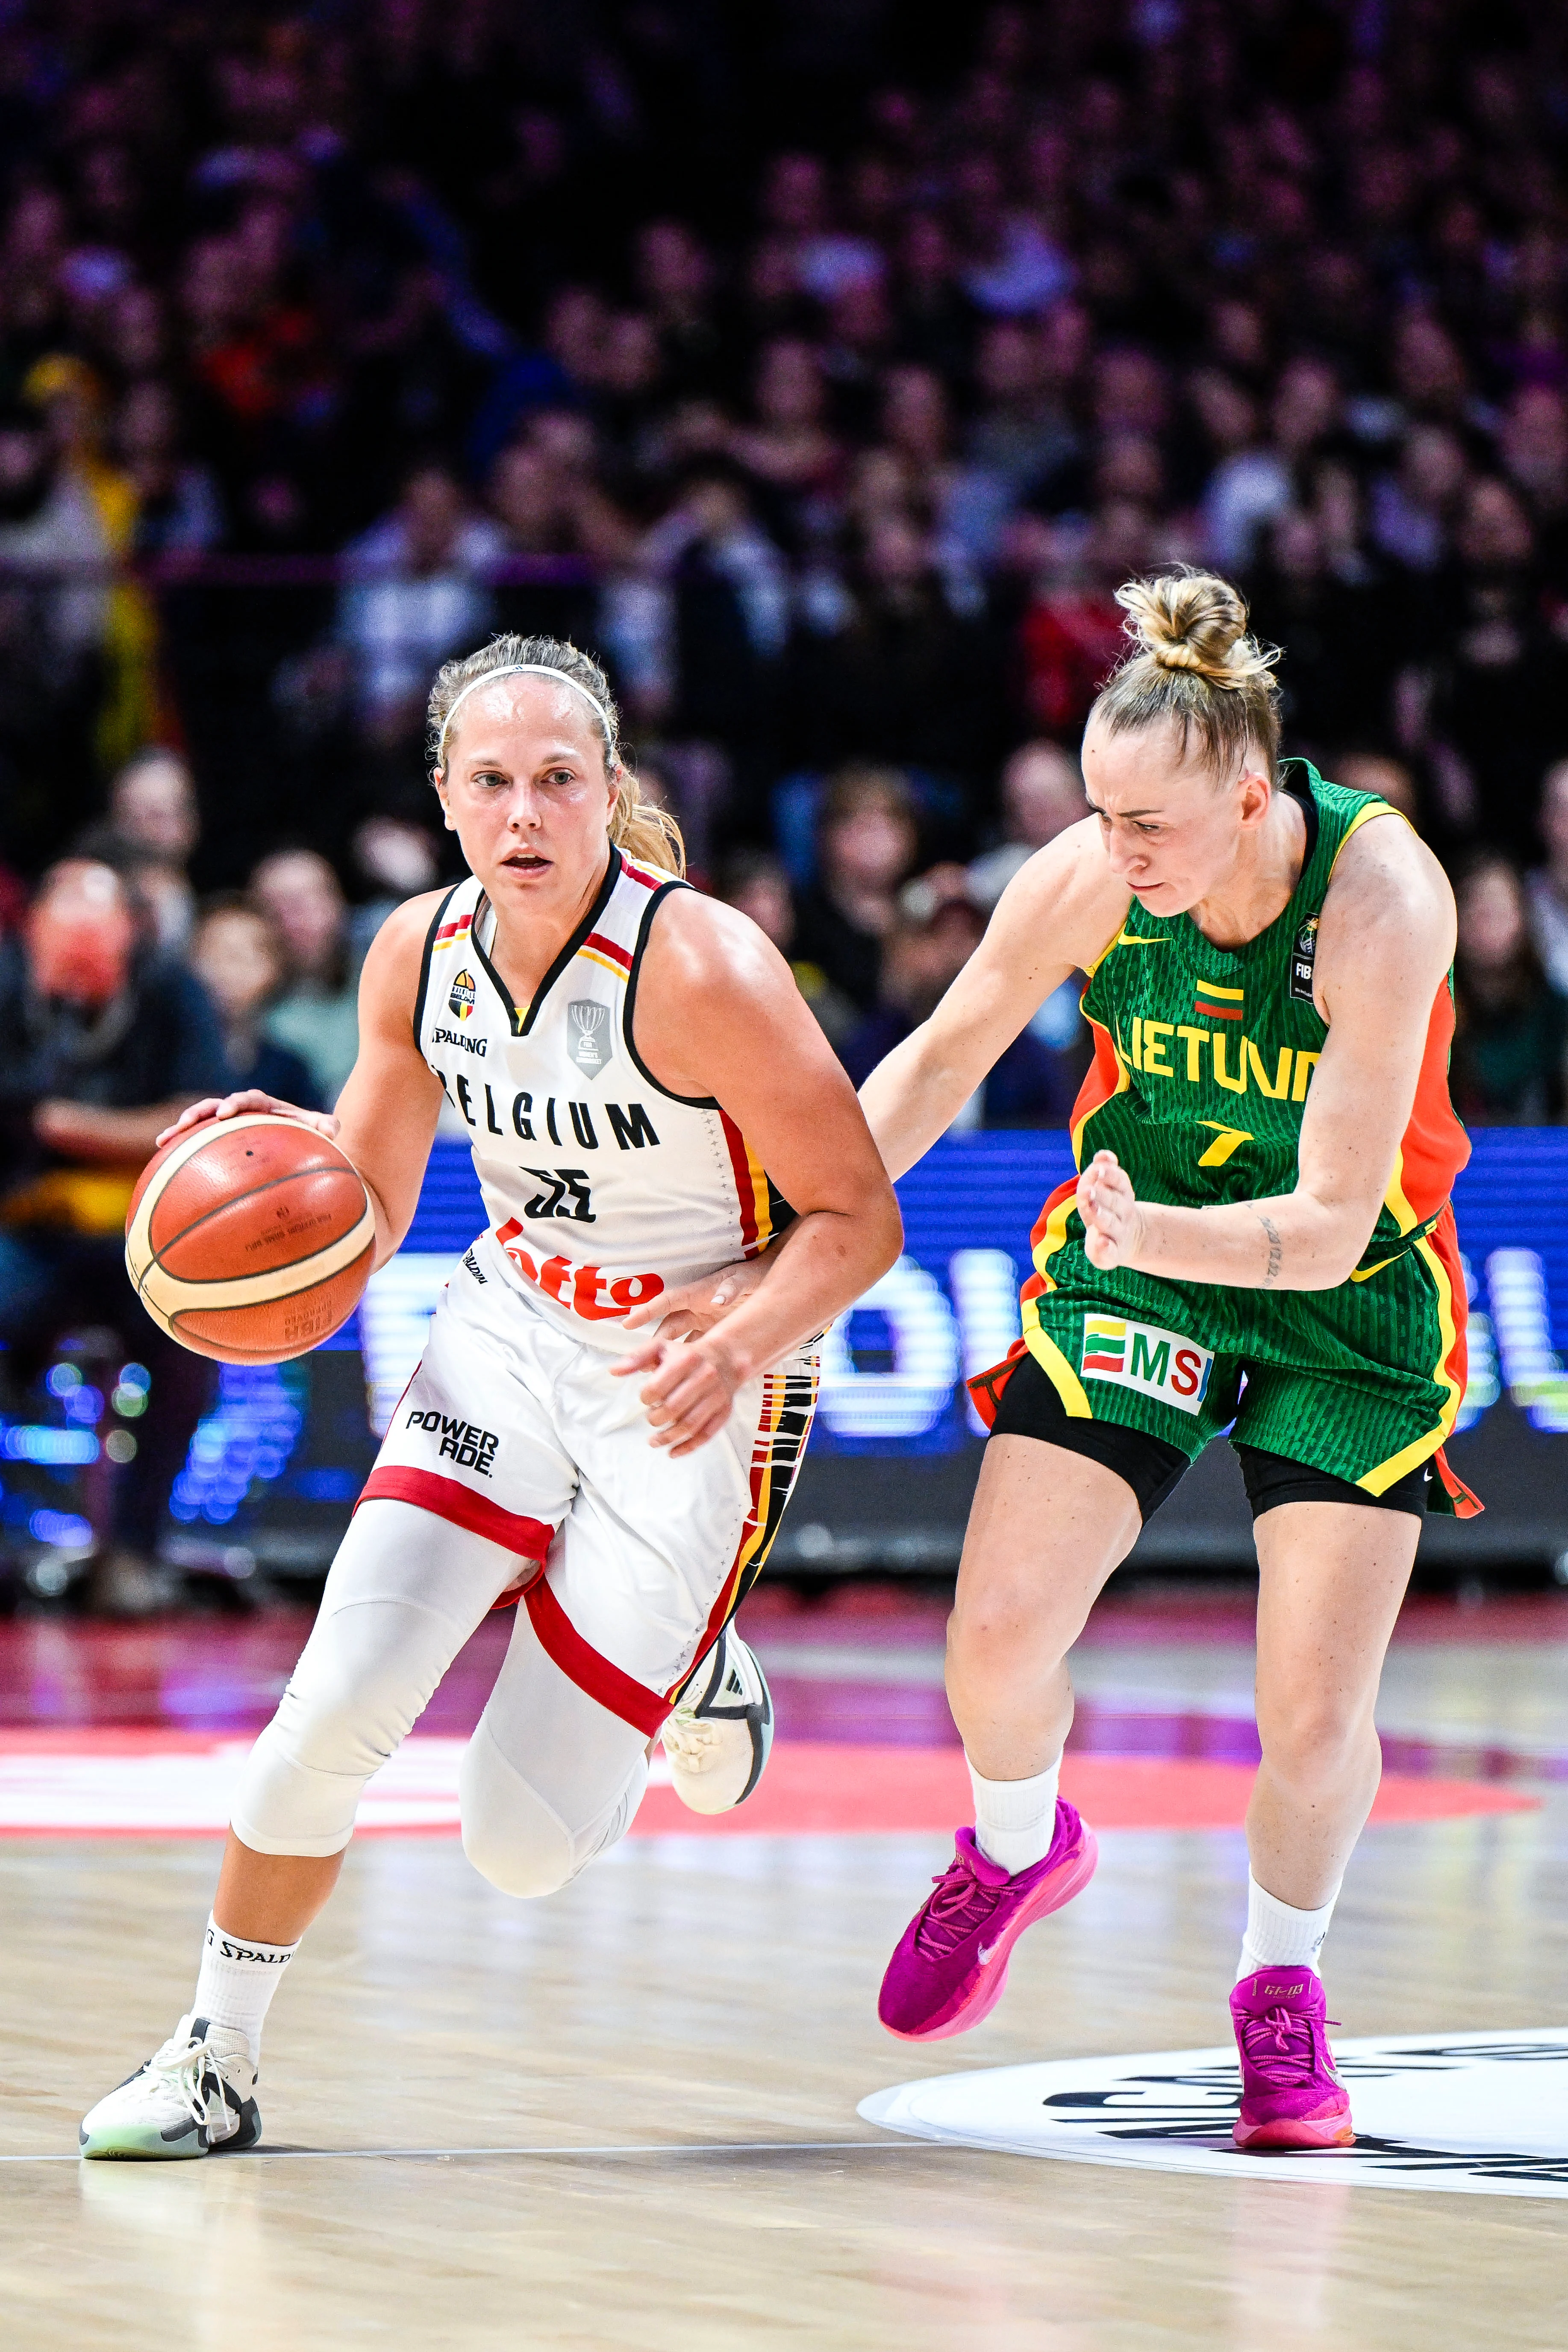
(936, 929)
(719, 622)
(1071, 634)
(866, 840)
(756, 882)
(1500, 672)
(1374, 772)
(398, 858)
(1547, 887)
(317, 1014)
(53, 618)
(1042, 794)
(103, 1042)
(903, 667)
(415, 595)
(238, 957)
(1510, 1045)
(836, 460)
(154, 824)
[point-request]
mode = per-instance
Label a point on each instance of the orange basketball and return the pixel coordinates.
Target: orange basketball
(249, 1239)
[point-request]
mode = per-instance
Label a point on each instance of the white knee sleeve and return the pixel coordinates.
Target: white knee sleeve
(549, 1779)
(404, 1593)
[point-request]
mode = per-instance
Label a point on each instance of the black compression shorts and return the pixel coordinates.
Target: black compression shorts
(1030, 1407)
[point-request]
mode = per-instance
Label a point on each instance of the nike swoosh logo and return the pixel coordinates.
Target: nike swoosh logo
(988, 1954)
(1137, 940)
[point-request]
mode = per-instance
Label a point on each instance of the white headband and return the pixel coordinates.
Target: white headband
(515, 669)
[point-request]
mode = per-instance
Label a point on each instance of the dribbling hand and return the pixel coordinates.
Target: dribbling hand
(1112, 1219)
(248, 1099)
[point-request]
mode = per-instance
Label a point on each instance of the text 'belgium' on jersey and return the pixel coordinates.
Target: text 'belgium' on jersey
(601, 1188)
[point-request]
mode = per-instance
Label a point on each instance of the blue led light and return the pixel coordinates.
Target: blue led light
(62, 1530)
(249, 1433)
(36, 1441)
(63, 1380)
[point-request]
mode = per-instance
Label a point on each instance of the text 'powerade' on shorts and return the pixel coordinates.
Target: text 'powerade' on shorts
(518, 1431)
(1029, 1406)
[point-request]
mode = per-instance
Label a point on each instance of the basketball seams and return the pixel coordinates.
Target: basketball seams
(139, 1251)
(195, 1306)
(258, 1302)
(263, 1287)
(269, 1184)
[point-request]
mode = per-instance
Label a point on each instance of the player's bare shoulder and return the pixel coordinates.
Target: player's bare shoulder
(1065, 893)
(701, 952)
(389, 984)
(1388, 915)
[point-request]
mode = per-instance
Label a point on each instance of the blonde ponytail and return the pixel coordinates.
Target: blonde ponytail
(639, 828)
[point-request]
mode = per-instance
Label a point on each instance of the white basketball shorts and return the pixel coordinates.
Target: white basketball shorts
(519, 1433)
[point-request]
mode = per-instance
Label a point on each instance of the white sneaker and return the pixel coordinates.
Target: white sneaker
(195, 2093)
(718, 1736)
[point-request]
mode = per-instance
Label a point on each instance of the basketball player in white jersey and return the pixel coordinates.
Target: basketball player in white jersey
(645, 1091)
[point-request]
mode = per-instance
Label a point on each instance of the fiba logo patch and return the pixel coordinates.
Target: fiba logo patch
(588, 1024)
(462, 997)
(1303, 956)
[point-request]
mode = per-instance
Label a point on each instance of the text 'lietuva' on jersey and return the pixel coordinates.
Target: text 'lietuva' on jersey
(601, 1188)
(1203, 1068)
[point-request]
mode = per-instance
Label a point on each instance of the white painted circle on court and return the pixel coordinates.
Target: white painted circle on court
(1481, 2112)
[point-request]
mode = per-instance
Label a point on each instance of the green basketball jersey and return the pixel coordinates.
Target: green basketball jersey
(1204, 1065)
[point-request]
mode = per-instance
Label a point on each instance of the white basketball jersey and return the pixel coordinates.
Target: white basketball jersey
(601, 1188)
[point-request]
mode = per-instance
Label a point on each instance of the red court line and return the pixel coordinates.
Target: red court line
(828, 1790)
(835, 1790)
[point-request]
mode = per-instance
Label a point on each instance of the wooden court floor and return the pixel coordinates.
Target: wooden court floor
(627, 2117)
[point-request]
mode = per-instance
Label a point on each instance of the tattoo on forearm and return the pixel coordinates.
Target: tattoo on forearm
(1275, 1250)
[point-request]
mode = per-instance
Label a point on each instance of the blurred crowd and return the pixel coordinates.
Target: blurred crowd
(825, 369)
(827, 372)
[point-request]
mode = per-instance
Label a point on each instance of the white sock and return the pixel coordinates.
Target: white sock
(1014, 1821)
(238, 1978)
(1278, 1936)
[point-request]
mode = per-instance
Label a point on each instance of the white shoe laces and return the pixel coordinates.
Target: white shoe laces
(178, 2068)
(692, 1745)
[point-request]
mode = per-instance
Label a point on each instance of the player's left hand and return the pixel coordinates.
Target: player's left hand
(692, 1307)
(690, 1394)
(1112, 1219)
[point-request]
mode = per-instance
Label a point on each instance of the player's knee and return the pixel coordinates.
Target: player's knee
(334, 1719)
(1003, 1635)
(361, 1683)
(1309, 1735)
(519, 1845)
(509, 1834)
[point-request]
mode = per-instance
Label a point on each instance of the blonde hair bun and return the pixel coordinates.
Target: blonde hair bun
(1192, 663)
(1194, 621)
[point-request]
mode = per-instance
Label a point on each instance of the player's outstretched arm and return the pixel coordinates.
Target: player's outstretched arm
(719, 1015)
(1056, 915)
(1384, 944)
(385, 1117)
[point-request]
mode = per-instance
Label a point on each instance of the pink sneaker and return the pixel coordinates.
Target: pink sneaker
(949, 1970)
(1290, 2096)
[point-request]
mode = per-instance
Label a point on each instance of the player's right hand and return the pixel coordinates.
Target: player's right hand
(693, 1307)
(248, 1099)
(1113, 1216)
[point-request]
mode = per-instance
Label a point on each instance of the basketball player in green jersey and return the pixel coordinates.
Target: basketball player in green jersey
(1259, 1235)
